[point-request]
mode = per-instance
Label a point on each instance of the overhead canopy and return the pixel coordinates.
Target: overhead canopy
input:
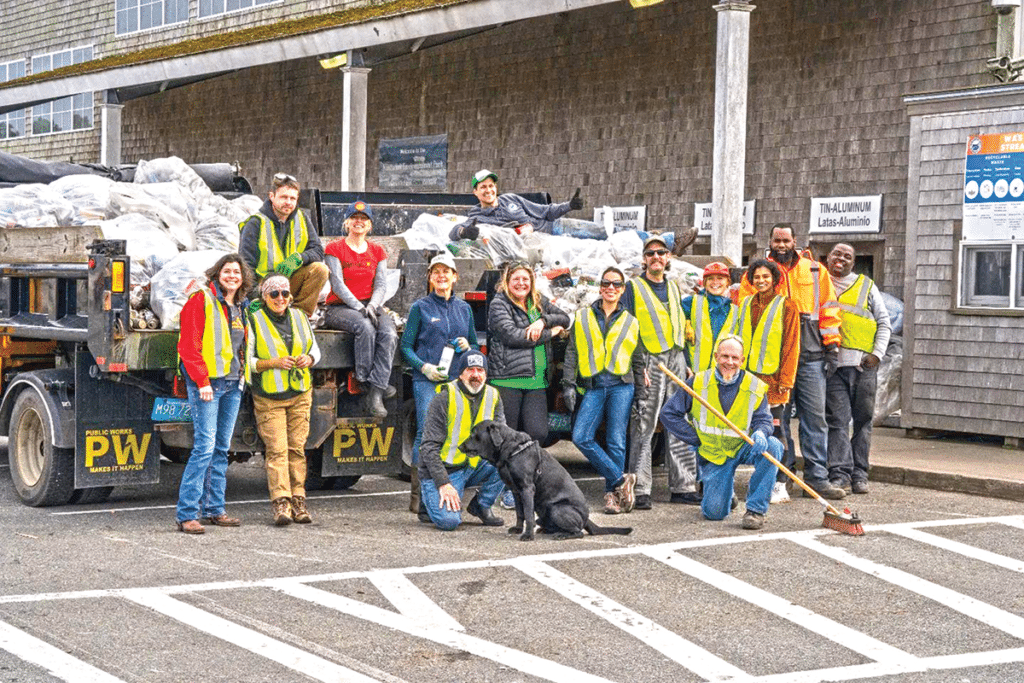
(382, 31)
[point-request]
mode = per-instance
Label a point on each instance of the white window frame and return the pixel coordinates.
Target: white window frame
(244, 5)
(66, 106)
(1015, 300)
(137, 10)
(19, 114)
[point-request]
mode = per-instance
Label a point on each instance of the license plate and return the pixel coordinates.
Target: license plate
(171, 410)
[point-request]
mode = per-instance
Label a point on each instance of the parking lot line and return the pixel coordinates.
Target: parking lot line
(989, 557)
(411, 601)
(54, 661)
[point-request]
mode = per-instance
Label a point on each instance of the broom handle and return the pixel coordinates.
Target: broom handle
(743, 435)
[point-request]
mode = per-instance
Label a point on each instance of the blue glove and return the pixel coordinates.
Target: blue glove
(760, 443)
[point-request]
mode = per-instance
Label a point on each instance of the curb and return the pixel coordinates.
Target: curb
(945, 481)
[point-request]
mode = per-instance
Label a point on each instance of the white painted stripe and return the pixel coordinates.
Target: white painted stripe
(317, 668)
(987, 614)
(531, 665)
(411, 601)
(1017, 523)
(54, 661)
(858, 672)
(970, 551)
(850, 638)
(672, 646)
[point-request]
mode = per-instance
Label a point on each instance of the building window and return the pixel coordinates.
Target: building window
(142, 15)
(12, 124)
(67, 113)
(210, 8)
(988, 274)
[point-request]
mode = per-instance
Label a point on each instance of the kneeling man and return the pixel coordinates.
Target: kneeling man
(445, 471)
(740, 396)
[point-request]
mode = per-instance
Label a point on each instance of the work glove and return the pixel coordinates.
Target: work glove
(371, 314)
(433, 373)
(569, 396)
(254, 306)
(760, 443)
(461, 344)
(469, 230)
(869, 361)
(576, 203)
(289, 265)
(831, 360)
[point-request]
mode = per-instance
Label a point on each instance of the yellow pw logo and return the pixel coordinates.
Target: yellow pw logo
(371, 438)
(125, 445)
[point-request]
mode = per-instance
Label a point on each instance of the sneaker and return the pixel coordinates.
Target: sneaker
(847, 489)
(282, 511)
(611, 503)
(688, 498)
(753, 520)
(779, 493)
(643, 502)
(825, 490)
(508, 501)
(299, 511)
(627, 498)
(860, 486)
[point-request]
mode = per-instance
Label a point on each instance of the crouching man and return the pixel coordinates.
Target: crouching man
(444, 470)
(740, 396)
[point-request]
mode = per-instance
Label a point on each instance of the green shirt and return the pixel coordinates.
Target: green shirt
(540, 363)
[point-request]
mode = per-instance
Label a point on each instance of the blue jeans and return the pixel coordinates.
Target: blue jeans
(718, 481)
(483, 475)
(810, 406)
(423, 393)
(204, 480)
(615, 402)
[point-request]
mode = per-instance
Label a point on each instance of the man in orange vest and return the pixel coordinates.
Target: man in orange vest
(807, 284)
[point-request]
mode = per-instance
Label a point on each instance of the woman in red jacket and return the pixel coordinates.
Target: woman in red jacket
(211, 345)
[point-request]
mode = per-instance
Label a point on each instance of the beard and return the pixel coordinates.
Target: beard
(785, 258)
(474, 387)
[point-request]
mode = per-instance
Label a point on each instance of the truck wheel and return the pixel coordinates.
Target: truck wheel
(408, 437)
(43, 474)
(314, 464)
(91, 496)
(343, 483)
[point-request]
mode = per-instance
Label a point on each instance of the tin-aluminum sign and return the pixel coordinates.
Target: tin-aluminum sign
(861, 214)
(993, 206)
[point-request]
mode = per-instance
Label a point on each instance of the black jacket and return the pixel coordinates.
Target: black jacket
(509, 352)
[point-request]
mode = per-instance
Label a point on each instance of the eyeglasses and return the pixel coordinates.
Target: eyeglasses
(284, 177)
(617, 284)
(655, 252)
(279, 293)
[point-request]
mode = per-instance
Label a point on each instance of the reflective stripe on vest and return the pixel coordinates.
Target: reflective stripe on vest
(613, 352)
(859, 326)
(217, 351)
(270, 250)
(763, 346)
(460, 422)
(268, 344)
(660, 329)
(704, 341)
(717, 440)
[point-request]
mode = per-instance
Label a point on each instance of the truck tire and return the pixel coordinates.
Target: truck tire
(314, 464)
(91, 496)
(344, 483)
(42, 473)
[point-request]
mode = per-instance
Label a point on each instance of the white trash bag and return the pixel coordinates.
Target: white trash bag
(430, 232)
(169, 288)
(34, 206)
(88, 194)
(166, 203)
(147, 244)
(173, 170)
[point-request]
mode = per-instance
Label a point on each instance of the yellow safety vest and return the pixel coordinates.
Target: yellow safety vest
(763, 346)
(859, 326)
(460, 422)
(660, 329)
(717, 440)
(613, 352)
(704, 341)
(217, 350)
(271, 254)
(267, 344)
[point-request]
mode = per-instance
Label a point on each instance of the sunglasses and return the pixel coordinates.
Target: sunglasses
(617, 284)
(279, 293)
(284, 177)
(655, 252)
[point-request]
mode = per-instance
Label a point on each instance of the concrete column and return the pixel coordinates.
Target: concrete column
(728, 181)
(353, 128)
(110, 134)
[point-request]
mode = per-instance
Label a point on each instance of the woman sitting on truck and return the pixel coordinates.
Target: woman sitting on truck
(358, 283)
(278, 355)
(439, 330)
(520, 325)
(210, 344)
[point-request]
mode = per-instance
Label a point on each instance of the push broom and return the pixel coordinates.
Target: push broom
(844, 522)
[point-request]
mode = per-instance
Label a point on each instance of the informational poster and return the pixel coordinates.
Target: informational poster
(632, 217)
(994, 187)
(862, 214)
(419, 163)
(702, 218)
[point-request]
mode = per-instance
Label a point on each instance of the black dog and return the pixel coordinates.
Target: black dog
(542, 488)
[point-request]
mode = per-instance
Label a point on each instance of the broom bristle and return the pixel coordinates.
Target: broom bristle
(850, 527)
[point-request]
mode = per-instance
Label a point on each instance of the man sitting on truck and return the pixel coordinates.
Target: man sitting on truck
(280, 239)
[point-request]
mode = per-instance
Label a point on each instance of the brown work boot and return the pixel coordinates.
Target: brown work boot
(627, 497)
(299, 512)
(414, 490)
(191, 526)
(611, 503)
(282, 511)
